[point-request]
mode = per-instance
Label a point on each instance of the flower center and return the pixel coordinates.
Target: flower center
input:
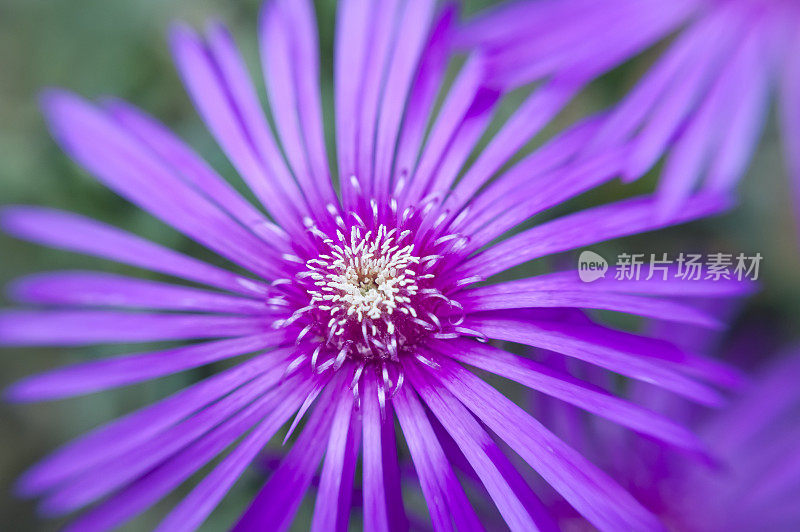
(372, 292)
(362, 281)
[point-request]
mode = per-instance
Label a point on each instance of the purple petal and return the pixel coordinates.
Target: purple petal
(107, 290)
(622, 353)
(673, 286)
(790, 121)
(110, 441)
(195, 508)
(87, 327)
(194, 170)
(128, 167)
(395, 509)
(280, 497)
(224, 96)
(351, 49)
(278, 404)
(443, 493)
(95, 376)
(586, 43)
(551, 156)
(331, 482)
(288, 39)
(457, 103)
(463, 143)
(541, 192)
(414, 26)
(522, 294)
(590, 491)
(429, 76)
(375, 515)
(102, 479)
(527, 121)
(482, 453)
(569, 389)
(683, 95)
(747, 117)
(631, 113)
(75, 233)
(383, 37)
(587, 227)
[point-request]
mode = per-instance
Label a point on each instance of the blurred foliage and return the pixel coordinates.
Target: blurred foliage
(118, 47)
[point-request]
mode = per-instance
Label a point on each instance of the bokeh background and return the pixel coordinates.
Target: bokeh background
(118, 47)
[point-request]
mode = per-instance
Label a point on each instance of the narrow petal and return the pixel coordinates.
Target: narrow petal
(72, 232)
(278, 500)
(518, 294)
(427, 83)
(550, 156)
(671, 110)
(407, 59)
(279, 405)
(529, 119)
(87, 327)
(443, 493)
(622, 353)
(541, 192)
(790, 122)
(90, 377)
(113, 440)
(383, 38)
(195, 508)
(194, 170)
(129, 168)
(331, 482)
(101, 480)
(594, 225)
(587, 43)
(569, 389)
(95, 289)
(395, 509)
(463, 142)
(748, 116)
(590, 491)
(224, 96)
(350, 57)
(457, 103)
(476, 445)
(375, 514)
(291, 73)
(634, 109)
(656, 285)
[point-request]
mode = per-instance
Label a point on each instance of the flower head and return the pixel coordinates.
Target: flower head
(703, 104)
(358, 302)
(749, 484)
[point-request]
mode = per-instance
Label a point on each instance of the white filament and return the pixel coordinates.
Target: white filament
(365, 278)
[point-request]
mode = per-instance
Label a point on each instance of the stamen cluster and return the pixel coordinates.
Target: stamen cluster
(370, 291)
(365, 279)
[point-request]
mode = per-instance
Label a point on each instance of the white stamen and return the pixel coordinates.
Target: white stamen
(366, 278)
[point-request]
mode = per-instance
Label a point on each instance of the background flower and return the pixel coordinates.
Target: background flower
(702, 106)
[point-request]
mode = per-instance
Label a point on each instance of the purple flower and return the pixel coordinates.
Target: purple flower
(358, 303)
(750, 485)
(703, 104)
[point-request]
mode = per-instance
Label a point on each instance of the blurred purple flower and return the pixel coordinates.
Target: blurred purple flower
(751, 485)
(703, 104)
(360, 306)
